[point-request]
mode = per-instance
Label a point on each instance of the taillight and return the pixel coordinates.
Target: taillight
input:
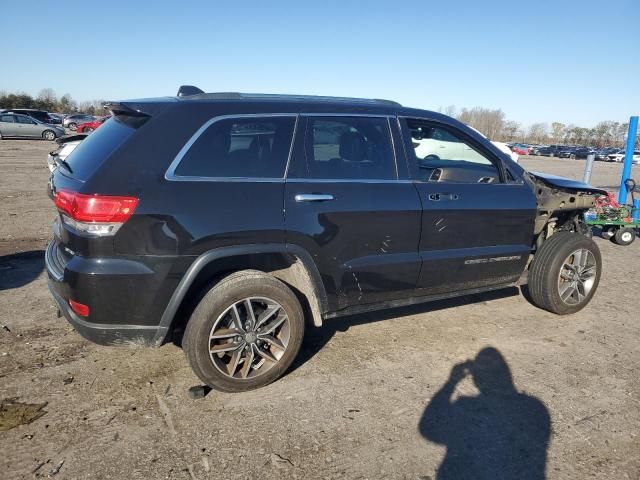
(98, 215)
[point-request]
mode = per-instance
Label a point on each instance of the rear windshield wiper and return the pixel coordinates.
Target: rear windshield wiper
(59, 161)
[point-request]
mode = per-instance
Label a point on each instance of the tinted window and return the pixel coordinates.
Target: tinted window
(24, 119)
(349, 148)
(98, 146)
(442, 154)
(240, 147)
(6, 118)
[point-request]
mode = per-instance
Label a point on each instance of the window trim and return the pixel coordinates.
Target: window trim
(171, 175)
(494, 159)
(388, 118)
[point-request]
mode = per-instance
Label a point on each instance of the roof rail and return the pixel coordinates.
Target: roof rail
(195, 93)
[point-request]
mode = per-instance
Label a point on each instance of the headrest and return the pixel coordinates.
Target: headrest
(353, 147)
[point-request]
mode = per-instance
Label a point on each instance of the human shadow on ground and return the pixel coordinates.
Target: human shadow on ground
(316, 338)
(20, 269)
(498, 434)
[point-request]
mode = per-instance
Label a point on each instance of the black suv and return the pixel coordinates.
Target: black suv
(224, 221)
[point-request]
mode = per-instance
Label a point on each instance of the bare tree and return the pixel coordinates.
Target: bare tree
(557, 131)
(509, 131)
(538, 132)
(489, 122)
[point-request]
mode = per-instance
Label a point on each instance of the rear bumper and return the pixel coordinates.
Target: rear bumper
(122, 296)
(108, 334)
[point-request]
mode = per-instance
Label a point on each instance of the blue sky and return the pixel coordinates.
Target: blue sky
(575, 61)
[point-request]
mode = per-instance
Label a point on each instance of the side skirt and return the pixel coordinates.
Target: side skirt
(355, 309)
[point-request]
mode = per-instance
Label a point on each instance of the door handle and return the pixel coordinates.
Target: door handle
(436, 197)
(313, 197)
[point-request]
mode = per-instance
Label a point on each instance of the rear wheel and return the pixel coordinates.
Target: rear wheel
(48, 135)
(88, 130)
(245, 332)
(624, 236)
(565, 273)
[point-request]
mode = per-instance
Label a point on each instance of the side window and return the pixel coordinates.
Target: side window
(240, 147)
(349, 148)
(441, 154)
(24, 119)
(6, 118)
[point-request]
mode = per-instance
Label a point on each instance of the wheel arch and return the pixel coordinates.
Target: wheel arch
(289, 263)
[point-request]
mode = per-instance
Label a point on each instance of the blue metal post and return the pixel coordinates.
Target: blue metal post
(628, 158)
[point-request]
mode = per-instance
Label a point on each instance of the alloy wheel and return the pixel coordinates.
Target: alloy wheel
(577, 276)
(249, 337)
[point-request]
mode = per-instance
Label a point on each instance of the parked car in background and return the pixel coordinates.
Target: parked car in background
(56, 118)
(66, 145)
(602, 155)
(549, 151)
(91, 126)
(39, 115)
(582, 152)
(72, 121)
(619, 157)
(565, 152)
(519, 149)
(505, 148)
(23, 126)
(533, 149)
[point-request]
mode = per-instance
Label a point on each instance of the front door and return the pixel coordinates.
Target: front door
(346, 206)
(27, 127)
(477, 226)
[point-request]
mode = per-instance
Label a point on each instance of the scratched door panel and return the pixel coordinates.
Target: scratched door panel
(474, 235)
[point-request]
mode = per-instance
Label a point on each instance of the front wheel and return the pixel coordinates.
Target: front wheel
(73, 126)
(48, 135)
(565, 273)
(245, 332)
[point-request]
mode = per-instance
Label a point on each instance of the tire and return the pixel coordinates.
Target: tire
(624, 236)
(228, 369)
(88, 130)
(49, 135)
(548, 289)
(72, 126)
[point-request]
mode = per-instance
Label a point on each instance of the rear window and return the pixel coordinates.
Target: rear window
(241, 147)
(95, 149)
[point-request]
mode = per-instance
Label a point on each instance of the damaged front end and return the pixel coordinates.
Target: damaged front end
(561, 204)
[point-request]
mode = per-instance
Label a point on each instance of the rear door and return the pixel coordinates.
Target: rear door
(477, 224)
(346, 205)
(8, 127)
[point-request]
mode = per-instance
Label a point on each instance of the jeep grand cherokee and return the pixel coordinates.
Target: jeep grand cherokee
(237, 219)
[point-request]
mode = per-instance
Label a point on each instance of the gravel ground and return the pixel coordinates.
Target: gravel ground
(372, 396)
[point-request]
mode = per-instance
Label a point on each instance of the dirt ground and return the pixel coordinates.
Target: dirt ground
(354, 405)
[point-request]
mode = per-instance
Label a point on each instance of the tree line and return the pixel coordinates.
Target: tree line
(495, 125)
(48, 100)
(491, 122)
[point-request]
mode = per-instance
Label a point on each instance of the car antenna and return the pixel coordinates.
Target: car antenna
(186, 90)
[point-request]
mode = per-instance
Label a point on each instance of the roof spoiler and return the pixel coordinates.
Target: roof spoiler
(187, 90)
(123, 108)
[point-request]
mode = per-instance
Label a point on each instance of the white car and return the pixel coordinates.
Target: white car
(504, 148)
(619, 157)
(439, 144)
(67, 145)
